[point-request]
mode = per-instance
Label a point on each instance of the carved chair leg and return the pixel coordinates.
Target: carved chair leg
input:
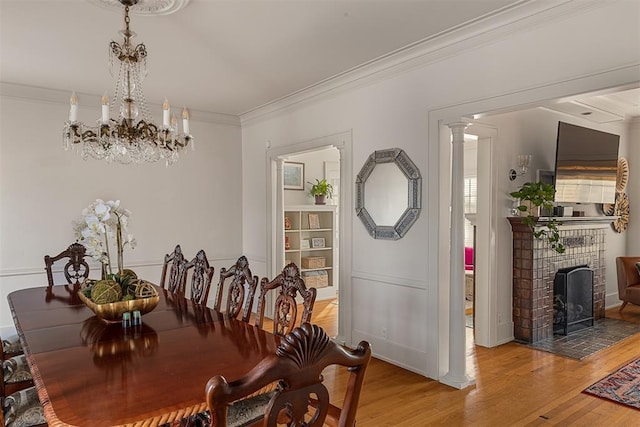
(624, 303)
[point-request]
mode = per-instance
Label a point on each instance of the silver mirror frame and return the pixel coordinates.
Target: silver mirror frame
(414, 205)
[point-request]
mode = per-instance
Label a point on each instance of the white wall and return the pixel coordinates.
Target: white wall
(633, 189)
(313, 169)
(196, 202)
(396, 285)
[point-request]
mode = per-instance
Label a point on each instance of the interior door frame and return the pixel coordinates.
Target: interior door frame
(472, 111)
(275, 216)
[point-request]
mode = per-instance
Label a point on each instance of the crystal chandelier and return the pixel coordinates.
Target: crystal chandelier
(128, 139)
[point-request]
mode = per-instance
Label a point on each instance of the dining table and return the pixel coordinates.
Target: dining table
(89, 372)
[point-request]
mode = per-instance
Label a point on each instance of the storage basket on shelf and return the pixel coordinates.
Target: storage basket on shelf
(313, 262)
(316, 279)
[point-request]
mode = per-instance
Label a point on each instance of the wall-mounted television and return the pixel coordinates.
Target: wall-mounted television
(586, 165)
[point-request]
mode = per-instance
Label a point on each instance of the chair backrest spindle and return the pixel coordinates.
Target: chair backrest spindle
(76, 270)
(174, 264)
(201, 277)
(241, 274)
(285, 313)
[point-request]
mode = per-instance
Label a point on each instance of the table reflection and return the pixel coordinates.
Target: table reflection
(69, 296)
(111, 344)
(208, 321)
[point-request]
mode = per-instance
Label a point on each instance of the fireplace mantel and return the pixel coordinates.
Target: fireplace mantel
(568, 219)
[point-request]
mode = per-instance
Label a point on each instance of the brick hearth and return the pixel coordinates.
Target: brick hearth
(534, 268)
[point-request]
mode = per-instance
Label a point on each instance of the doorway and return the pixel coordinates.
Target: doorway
(335, 150)
(311, 230)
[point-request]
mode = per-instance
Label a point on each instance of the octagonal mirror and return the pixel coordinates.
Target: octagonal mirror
(388, 194)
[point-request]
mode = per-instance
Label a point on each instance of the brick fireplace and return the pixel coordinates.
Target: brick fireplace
(535, 265)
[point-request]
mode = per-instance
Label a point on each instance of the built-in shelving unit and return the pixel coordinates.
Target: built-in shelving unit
(311, 243)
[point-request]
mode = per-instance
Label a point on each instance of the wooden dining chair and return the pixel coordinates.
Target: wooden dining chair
(285, 312)
(300, 398)
(201, 276)
(174, 264)
(76, 270)
(241, 274)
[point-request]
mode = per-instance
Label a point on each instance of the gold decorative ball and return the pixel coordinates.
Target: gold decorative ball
(145, 290)
(106, 291)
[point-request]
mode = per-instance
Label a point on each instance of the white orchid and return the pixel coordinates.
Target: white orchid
(103, 221)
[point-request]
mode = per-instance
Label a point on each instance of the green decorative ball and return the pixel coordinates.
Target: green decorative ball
(129, 273)
(106, 291)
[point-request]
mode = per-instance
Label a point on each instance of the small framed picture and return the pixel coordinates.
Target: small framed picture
(304, 244)
(314, 220)
(293, 176)
(317, 242)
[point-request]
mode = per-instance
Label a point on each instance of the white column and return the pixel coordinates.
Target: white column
(279, 215)
(457, 376)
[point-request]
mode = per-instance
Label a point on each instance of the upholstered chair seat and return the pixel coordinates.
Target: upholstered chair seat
(16, 374)
(23, 409)
(247, 411)
(11, 346)
(242, 413)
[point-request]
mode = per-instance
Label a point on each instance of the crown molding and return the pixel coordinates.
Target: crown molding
(92, 101)
(481, 31)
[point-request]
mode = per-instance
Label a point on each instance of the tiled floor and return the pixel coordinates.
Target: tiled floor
(585, 342)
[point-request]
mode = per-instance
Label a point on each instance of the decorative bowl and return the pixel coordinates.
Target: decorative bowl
(112, 312)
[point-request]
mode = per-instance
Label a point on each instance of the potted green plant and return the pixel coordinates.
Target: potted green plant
(320, 190)
(534, 197)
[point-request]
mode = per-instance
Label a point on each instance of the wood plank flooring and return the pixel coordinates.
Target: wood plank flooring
(515, 386)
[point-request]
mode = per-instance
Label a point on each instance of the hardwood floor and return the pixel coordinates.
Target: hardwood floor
(515, 386)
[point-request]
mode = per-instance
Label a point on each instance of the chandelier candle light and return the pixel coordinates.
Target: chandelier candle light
(125, 140)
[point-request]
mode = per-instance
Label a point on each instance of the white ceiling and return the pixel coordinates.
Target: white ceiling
(617, 106)
(232, 56)
(221, 56)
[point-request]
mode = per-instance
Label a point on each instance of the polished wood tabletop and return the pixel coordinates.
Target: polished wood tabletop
(91, 373)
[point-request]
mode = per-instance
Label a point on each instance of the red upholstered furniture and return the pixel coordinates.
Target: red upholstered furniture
(468, 258)
(628, 280)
